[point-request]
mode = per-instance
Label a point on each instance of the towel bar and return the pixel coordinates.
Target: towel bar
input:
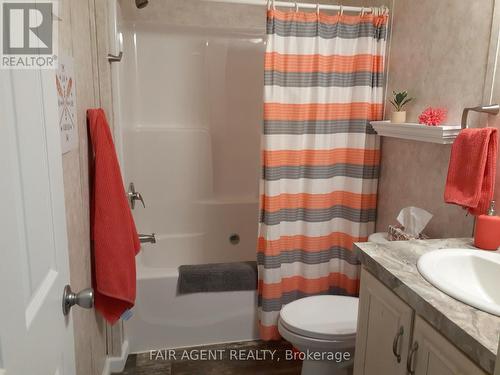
(492, 109)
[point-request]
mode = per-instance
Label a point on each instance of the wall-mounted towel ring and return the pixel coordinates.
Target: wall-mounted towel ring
(492, 109)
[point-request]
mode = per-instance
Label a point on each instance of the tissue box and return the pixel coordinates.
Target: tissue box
(397, 233)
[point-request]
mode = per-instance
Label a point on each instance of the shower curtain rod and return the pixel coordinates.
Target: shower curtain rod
(290, 4)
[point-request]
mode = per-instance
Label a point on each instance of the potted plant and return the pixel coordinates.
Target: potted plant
(400, 99)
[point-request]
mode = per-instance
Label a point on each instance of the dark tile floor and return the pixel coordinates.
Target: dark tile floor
(242, 358)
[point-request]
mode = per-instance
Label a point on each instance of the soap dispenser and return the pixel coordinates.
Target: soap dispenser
(487, 230)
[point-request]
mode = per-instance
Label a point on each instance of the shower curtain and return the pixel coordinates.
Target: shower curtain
(324, 79)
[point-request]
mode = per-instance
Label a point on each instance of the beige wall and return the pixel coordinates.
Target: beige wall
(439, 53)
(492, 92)
(196, 13)
(78, 38)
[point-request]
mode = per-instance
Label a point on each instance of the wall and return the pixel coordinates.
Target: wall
(196, 13)
(436, 57)
(492, 86)
(78, 38)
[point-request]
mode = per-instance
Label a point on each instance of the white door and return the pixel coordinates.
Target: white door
(35, 337)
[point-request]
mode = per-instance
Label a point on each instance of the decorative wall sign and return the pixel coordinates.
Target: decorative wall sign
(66, 99)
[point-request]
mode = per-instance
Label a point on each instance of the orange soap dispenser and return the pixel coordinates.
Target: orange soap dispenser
(487, 230)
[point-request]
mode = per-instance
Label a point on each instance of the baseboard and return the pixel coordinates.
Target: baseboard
(116, 364)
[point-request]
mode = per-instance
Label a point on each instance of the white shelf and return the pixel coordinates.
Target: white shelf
(445, 134)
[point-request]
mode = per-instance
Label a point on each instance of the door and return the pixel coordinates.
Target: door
(384, 330)
(35, 337)
(432, 354)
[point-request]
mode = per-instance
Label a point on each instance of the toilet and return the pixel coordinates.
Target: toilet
(322, 326)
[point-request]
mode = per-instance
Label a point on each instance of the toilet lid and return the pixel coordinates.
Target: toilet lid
(322, 317)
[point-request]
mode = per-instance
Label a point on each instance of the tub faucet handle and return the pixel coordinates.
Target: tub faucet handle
(134, 196)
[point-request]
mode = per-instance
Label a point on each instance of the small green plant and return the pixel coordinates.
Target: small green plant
(400, 99)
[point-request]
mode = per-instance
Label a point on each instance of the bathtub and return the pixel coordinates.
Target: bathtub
(162, 319)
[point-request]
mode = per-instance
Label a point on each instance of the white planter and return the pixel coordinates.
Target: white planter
(398, 117)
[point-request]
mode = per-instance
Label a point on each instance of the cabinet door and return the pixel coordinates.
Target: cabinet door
(435, 355)
(384, 329)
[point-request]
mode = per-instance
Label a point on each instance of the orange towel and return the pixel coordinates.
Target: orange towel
(115, 240)
(472, 169)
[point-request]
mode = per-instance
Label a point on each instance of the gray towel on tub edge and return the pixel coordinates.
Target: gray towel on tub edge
(217, 277)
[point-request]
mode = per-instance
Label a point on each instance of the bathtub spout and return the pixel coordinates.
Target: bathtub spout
(147, 238)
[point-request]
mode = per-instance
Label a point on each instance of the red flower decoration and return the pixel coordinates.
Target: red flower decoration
(433, 116)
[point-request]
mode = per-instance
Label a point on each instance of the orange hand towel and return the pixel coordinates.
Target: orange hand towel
(115, 240)
(472, 169)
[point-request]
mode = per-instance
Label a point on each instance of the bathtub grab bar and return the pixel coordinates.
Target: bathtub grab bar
(147, 238)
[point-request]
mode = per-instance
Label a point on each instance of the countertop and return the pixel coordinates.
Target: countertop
(473, 331)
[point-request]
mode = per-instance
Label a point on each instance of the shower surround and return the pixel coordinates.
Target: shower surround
(190, 113)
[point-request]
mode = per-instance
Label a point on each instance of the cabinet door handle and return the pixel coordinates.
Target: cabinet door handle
(395, 343)
(411, 356)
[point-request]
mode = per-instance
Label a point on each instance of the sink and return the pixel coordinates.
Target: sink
(469, 275)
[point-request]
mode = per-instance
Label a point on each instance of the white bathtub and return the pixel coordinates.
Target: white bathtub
(164, 320)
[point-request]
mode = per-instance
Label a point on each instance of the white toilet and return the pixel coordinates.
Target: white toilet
(324, 326)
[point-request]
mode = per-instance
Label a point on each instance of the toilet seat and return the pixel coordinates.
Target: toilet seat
(324, 317)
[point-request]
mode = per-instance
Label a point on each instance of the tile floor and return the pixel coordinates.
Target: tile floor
(230, 360)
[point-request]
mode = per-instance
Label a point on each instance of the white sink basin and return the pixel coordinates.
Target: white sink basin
(471, 276)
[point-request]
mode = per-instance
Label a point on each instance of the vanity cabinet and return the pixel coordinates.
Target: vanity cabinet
(392, 340)
(435, 355)
(384, 330)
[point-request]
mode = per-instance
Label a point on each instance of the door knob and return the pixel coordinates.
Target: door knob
(84, 299)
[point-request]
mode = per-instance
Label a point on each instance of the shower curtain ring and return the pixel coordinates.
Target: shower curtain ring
(317, 8)
(362, 12)
(296, 7)
(341, 10)
(274, 5)
(268, 4)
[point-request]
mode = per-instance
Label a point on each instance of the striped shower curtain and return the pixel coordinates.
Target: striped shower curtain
(323, 84)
